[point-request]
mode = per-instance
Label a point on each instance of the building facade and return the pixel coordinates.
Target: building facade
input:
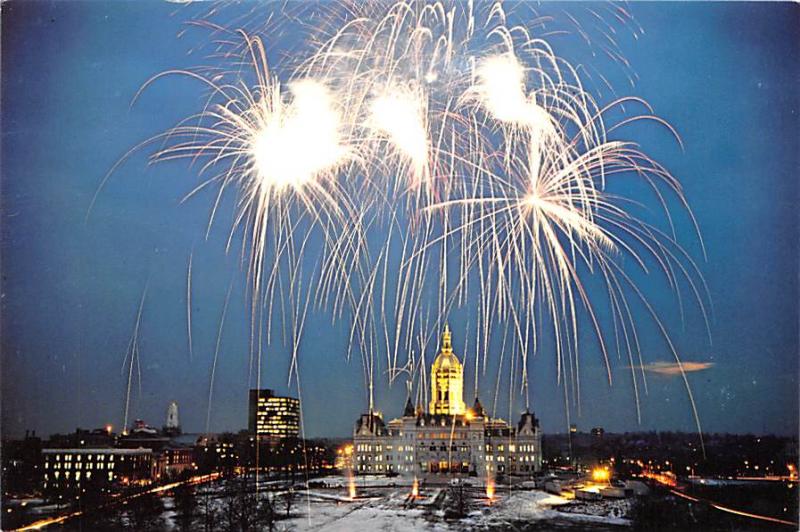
(273, 416)
(174, 461)
(82, 468)
(448, 438)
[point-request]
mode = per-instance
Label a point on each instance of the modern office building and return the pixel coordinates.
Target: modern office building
(449, 438)
(273, 416)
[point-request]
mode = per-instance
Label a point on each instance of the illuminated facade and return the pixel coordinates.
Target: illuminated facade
(79, 469)
(273, 416)
(449, 438)
(447, 380)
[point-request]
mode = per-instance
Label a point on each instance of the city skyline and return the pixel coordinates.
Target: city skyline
(72, 283)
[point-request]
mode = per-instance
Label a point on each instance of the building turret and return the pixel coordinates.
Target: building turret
(528, 424)
(409, 410)
(370, 425)
(477, 408)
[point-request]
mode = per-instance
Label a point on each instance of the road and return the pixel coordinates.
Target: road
(734, 511)
(43, 523)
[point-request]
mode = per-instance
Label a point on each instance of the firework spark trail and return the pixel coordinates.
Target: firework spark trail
(558, 202)
(132, 353)
(436, 137)
(216, 357)
(189, 305)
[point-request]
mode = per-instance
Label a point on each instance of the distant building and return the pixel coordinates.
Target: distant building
(449, 438)
(273, 416)
(143, 436)
(598, 432)
(100, 437)
(172, 427)
(174, 460)
(218, 452)
(81, 468)
(344, 458)
(21, 464)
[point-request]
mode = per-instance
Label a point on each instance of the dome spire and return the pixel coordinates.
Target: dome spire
(447, 342)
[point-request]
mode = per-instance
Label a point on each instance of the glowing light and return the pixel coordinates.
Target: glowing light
(601, 474)
(293, 143)
(351, 487)
(415, 488)
(490, 489)
(399, 114)
(501, 87)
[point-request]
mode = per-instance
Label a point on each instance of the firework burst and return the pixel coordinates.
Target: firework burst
(444, 157)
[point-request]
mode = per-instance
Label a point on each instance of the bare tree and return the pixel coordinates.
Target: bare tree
(265, 512)
(208, 511)
(186, 506)
(458, 500)
(232, 506)
(144, 512)
(289, 497)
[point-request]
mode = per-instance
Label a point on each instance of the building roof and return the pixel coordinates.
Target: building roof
(371, 423)
(442, 420)
(97, 450)
(528, 419)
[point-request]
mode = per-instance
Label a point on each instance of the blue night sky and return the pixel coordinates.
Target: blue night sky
(724, 75)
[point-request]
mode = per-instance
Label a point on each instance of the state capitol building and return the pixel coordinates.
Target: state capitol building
(448, 438)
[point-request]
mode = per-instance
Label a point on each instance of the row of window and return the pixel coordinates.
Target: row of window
(444, 467)
(408, 458)
(98, 457)
(432, 446)
(79, 465)
(79, 456)
(76, 477)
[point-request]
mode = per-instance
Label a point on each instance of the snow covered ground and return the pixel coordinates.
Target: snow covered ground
(385, 504)
(392, 510)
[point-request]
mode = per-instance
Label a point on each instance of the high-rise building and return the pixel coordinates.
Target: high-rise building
(274, 416)
(450, 438)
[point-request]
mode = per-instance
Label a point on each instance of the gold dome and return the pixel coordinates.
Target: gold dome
(446, 361)
(446, 358)
(447, 379)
